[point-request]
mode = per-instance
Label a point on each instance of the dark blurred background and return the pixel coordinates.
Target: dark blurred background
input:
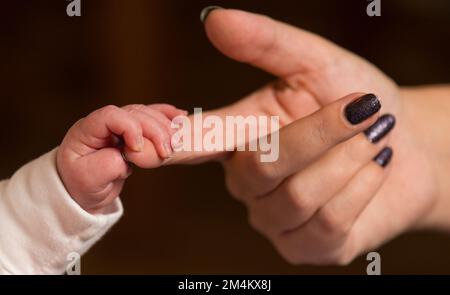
(56, 69)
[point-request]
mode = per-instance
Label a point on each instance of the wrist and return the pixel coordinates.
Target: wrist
(426, 114)
(67, 178)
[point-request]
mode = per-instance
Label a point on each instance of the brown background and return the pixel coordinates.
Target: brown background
(56, 69)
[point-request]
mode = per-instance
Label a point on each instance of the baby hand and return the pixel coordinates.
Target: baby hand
(91, 161)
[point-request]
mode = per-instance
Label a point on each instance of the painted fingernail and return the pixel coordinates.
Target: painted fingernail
(206, 11)
(380, 128)
(384, 157)
(362, 108)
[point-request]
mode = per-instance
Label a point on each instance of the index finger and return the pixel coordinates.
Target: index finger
(300, 143)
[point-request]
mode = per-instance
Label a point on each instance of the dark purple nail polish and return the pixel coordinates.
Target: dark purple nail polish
(206, 11)
(362, 108)
(380, 128)
(384, 157)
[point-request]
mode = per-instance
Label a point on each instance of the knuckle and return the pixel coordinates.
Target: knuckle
(115, 163)
(232, 187)
(109, 110)
(238, 187)
(344, 260)
(296, 257)
(291, 250)
(293, 257)
(358, 150)
(81, 124)
(255, 222)
(340, 257)
(331, 223)
(234, 181)
(135, 108)
(161, 136)
(320, 130)
(316, 252)
(297, 198)
(265, 171)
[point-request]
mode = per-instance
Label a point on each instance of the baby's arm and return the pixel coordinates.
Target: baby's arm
(47, 212)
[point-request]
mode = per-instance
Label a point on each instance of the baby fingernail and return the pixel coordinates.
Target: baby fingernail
(168, 149)
(380, 128)
(129, 172)
(177, 142)
(206, 11)
(384, 157)
(362, 108)
(140, 144)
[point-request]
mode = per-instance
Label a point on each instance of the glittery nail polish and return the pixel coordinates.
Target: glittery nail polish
(206, 11)
(362, 108)
(384, 157)
(380, 128)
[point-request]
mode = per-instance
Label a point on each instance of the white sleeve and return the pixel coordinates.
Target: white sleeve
(40, 224)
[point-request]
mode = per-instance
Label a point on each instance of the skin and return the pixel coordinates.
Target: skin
(328, 226)
(89, 161)
(324, 201)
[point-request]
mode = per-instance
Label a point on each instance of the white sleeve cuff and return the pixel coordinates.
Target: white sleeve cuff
(40, 224)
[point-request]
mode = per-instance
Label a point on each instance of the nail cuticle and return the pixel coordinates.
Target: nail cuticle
(380, 128)
(362, 108)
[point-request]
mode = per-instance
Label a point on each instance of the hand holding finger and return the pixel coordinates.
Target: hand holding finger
(302, 142)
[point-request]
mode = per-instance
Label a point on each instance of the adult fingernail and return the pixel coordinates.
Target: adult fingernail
(206, 11)
(362, 108)
(380, 128)
(384, 157)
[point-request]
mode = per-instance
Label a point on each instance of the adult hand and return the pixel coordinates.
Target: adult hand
(320, 205)
(324, 200)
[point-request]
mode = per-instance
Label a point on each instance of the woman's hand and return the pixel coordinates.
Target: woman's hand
(322, 203)
(308, 201)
